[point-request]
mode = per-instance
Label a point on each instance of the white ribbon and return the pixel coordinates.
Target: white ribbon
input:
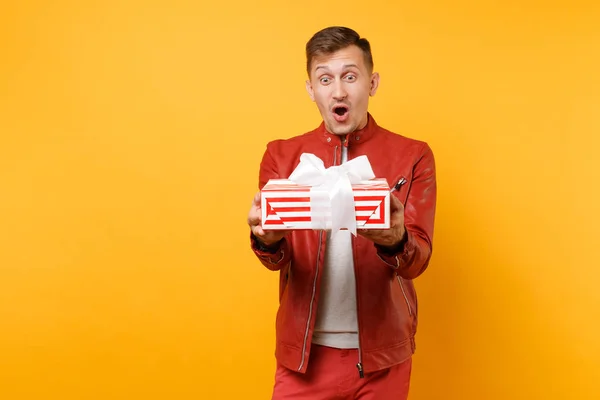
(331, 189)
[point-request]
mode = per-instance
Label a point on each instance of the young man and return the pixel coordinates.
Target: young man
(347, 318)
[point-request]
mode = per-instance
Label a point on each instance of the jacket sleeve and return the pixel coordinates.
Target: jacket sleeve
(411, 258)
(278, 255)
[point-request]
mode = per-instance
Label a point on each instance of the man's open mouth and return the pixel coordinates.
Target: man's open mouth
(341, 110)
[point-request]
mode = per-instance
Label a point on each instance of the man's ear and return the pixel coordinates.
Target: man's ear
(374, 84)
(309, 89)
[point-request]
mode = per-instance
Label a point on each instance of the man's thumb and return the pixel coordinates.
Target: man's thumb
(395, 204)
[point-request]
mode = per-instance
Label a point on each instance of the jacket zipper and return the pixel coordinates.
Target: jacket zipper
(312, 299)
(359, 366)
(335, 155)
(404, 294)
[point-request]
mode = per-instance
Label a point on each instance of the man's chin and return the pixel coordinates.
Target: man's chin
(340, 129)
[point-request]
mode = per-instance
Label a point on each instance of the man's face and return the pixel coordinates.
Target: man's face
(340, 83)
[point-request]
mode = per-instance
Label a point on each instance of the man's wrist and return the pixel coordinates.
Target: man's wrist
(263, 247)
(394, 248)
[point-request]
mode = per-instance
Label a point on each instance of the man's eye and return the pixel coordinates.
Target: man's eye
(325, 80)
(350, 77)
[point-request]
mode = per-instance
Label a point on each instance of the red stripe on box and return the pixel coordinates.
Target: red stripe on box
(287, 199)
(285, 188)
(291, 209)
(296, 219)
(366, 208)
(369, 198)
(307, 219)
(370, 187)
(307, 199)
(273, 222)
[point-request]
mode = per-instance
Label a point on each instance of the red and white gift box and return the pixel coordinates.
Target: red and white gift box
(346, 196)
(287, 205)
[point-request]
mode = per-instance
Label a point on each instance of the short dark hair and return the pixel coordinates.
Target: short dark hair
(334, 38)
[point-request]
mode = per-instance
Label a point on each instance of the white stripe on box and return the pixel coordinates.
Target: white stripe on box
(289, 214)
(278, 204)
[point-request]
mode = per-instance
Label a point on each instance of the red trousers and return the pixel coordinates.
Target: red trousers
(332, 374)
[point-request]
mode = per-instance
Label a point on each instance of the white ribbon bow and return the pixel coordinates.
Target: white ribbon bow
(331, 189)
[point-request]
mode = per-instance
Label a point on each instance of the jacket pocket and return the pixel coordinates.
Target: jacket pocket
(400, 187)
(284, 279)
(410, 309)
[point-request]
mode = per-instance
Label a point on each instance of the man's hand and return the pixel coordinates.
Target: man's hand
(254, 221)
(389, 237)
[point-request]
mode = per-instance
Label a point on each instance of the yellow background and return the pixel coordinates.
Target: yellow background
(131, 133)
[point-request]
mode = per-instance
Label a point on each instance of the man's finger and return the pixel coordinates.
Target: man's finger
(395, 204)
(254, 219)
(256, 200)
(369, 232)
(258, 231)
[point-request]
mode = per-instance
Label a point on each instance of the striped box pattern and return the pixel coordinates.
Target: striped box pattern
(287, 205)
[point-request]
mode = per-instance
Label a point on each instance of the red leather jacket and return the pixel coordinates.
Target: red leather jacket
(386, 297)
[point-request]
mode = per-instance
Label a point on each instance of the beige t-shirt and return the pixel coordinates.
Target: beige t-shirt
(336, 324)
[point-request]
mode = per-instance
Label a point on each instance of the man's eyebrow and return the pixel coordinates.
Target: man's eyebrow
(343, 66)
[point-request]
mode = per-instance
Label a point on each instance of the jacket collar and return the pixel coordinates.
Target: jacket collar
(354, 138)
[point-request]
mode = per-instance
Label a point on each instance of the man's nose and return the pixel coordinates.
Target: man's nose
(339, 91)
